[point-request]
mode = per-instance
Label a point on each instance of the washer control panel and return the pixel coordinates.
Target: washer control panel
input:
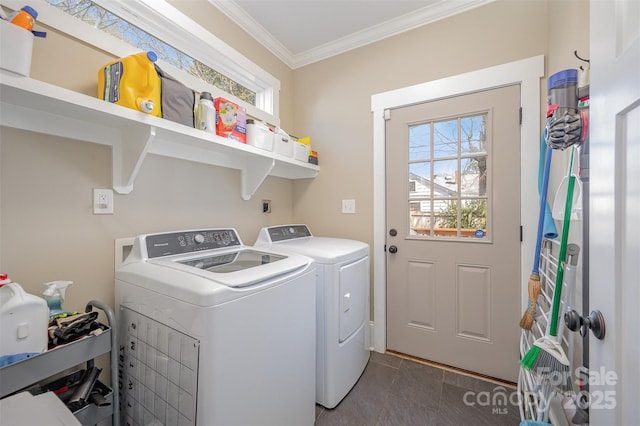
(159, 245)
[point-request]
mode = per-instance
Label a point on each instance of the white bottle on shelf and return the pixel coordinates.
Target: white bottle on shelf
(206, 113)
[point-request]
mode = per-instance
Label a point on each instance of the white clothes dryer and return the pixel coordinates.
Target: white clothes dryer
(215, 333)
(342, 312)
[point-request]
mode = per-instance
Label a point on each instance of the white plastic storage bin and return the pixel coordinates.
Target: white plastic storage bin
(282, 143)
(16, 47)
(259, 135)
(301, 152)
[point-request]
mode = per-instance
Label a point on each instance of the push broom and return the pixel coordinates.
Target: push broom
(546, 357)
(534, 279)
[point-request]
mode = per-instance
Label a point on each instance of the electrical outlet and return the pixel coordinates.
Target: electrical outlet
(102, 201)
(266, 206)
(349, 206)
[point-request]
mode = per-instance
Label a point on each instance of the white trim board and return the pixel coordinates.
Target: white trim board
(527, 73)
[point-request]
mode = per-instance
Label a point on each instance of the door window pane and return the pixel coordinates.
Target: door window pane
(419, 180)
(473, 134)
(445, 174)
(474, 214)
(445, 138)
(420, 142)
(420, 217)
(473, 179)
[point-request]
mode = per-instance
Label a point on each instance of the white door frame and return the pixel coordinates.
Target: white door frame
(527, 73)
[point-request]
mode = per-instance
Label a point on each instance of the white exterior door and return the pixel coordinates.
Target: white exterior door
(614, 272)
(453, 195)
(527, 74)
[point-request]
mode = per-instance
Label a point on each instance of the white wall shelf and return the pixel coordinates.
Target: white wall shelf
(40, 107)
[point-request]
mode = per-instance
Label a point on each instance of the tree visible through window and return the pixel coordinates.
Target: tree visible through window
(102, 19)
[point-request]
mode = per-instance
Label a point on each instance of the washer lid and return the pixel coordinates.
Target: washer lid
(240, 268)
(232, 262)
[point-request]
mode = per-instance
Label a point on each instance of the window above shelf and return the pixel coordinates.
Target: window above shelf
(40, 107)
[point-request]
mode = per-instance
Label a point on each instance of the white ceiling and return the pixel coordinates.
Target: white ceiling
(300, 32)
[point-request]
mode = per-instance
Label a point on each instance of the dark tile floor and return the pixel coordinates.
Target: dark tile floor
(394, 391)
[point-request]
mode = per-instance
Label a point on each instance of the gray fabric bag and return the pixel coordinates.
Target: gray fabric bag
(178, 101)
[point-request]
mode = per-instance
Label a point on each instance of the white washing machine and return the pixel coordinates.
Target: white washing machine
(215, 333)
(342, 312)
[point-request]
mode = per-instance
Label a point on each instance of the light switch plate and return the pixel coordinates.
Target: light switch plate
(349, 206)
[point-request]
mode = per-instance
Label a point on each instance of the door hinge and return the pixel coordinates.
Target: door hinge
(520, 117)
(387, 114)
(521, 231)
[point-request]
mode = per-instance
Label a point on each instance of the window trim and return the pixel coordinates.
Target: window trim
(154, 17)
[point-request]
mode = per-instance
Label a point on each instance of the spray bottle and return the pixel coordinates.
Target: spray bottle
(54, 295)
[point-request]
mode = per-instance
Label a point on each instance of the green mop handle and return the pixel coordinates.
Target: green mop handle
(557, 295)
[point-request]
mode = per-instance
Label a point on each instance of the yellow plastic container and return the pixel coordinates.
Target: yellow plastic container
(132, 82)
(306, 141)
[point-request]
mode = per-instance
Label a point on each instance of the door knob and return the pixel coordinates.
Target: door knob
(393, 249)
(594, 322)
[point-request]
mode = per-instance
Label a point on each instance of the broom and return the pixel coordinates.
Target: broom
(534, 279)
(546, 356)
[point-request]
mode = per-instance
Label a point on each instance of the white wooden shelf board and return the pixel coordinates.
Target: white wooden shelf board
(40, 107)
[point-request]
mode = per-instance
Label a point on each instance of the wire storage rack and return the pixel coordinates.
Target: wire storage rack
(536, 395)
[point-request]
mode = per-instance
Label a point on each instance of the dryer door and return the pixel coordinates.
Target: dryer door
(354, 293)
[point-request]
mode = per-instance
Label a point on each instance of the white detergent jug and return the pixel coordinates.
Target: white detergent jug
(24, 319)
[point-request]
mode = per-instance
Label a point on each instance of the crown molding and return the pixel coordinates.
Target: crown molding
(440, 10)
(245, 21)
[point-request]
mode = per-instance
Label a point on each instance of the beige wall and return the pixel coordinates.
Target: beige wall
(46, 182)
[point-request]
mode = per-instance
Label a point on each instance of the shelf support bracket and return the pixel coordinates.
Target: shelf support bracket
(129, 154)
(253, 174)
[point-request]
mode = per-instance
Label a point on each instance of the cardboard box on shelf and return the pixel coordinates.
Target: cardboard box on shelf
(231, 120)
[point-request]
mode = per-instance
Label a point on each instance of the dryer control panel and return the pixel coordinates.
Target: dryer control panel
(288, 232)
(159, 245)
